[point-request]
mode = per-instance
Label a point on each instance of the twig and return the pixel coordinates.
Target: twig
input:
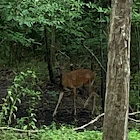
(134, 113)
(138, 121)
(63, 53)
(37, 43)
(95, 58)
(20, 130)
(83, 126)
(2, 41)
(99, 116)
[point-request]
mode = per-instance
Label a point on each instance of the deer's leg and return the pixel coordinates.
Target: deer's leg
(86, 103)
(94, 104)
(90, 95)
(59, 101)
(74, 99)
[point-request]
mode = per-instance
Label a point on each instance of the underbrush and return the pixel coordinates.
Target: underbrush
(40, 68)
(63, 133)
(25, 86)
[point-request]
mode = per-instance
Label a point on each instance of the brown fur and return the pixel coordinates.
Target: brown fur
(75, 79)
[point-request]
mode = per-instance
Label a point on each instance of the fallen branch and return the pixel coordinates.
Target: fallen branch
(99, 116)
(81, 127)
(20, 130)
(91, 122)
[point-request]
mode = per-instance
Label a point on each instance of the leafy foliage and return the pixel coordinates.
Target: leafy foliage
(136, 13)
(23, 85)
(134, 92)
(64, 133)
(75, 22)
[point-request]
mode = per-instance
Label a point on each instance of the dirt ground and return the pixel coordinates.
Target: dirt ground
(46, 106)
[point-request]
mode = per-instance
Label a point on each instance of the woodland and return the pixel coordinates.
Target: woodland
(40, 40)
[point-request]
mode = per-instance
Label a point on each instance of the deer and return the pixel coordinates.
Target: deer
(74, 80)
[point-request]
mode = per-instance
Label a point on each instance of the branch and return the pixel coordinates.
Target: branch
(99, 116)
(37, 43)
(2, 41)
(137, 121)
(134, 113)
(83, 126)
(63, 53)
(20, 130)
(95, 58)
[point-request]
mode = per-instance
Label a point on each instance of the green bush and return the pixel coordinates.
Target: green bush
(134, 135)
(23, 86)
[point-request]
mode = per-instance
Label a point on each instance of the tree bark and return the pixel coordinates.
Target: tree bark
(48, 56)
(118, 72)
(53, 46)
(102, 88)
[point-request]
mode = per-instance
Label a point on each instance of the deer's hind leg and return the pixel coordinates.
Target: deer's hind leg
(90, 96)
(74, 99)
(87, 101)
(59, 101)
(94, 104)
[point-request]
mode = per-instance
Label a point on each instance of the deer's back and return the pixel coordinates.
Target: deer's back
(77, 78)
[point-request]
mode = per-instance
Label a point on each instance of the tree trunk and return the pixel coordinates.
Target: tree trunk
(48, 55)
(118, 72)
(102, 88)
(53, 46)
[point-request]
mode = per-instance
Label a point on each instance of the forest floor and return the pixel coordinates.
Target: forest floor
(47, 104)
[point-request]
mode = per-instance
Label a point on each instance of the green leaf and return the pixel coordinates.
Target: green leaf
(15, 108)
(9, 92)
(12, 99)
(25, 127)
(27, 23)
(18, 99)
(9, 18)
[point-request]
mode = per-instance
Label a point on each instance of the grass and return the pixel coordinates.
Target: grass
(63, 133)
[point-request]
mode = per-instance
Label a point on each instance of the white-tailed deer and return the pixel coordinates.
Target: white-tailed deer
(75, 79)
